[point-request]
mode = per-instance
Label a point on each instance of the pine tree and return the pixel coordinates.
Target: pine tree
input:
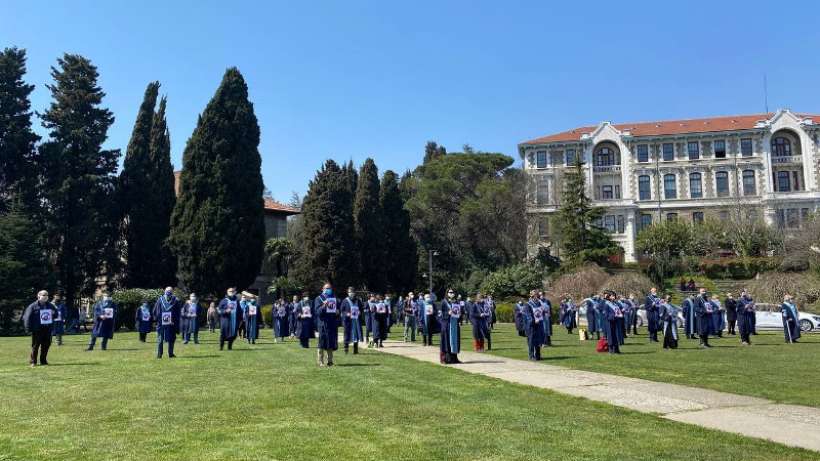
(18, 165)
(164, 196)
(369, 228)
(217, 226)
(433, 151)
(81, 223)
(402, 260)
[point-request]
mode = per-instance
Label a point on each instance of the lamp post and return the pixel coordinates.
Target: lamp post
(430, 254)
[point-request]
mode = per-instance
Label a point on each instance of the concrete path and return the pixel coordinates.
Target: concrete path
(792, 425)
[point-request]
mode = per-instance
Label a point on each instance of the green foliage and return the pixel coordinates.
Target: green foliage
(737, 268)
(433, 151)
(400, 252)
(505, 312)
(278, 256)
(128, 300)
(515, 280)
(369, 228)
(771, 286)
(285, 287)
(217, 226)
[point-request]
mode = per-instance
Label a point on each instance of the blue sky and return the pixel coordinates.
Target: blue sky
(352, 79)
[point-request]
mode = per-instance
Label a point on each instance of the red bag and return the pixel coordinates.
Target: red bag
(602, 346)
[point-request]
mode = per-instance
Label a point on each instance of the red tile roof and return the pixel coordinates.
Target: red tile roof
(670, 127)
(271, 205)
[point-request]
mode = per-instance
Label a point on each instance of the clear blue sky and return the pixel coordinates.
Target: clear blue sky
(352, 79)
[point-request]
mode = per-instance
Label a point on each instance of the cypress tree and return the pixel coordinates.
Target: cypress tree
(18, 165)
(217, 226)
(81, 223)
(369, 228)
(164, 197)
(402, 260)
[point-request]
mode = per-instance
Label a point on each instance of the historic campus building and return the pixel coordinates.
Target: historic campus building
(680, 169)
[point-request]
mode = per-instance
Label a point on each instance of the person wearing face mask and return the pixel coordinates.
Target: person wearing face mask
(305, 326)
(351, 313)
(669, 317)
(327, 315)
(567, 313)
(791, 319)
(718, 316)
(230, 315)
(142, 319)
(243, 306)
(518, 318)
(491, 304)
(167, 313)
(614, 314)
(632, 325)
(281, 321)
(533, 315)
(592, 316)
(690, 326)
(213, 317)
(380, 313)
(546, 305)
(410, 310)
(703, 312)
(450, 323)
(293, 322)
(38, 320)
(652, 306)
(480, 318)
(59, 318)
(731, 313)
(251, 319)
(190, 320)
(745, 316)
(427, 314)
(105, 311)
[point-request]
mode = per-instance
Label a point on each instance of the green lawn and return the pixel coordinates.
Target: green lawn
(272, 402)
(769, 368)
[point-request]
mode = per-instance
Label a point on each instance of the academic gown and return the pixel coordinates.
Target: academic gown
(592, 323)
(252, 322)
(380, 313)
(690, 321)
(190, 319)
(281, 321)
(59, 319)
(104, 327)
(546, 305)
(428, 318)
(327, 316)
(669, 316)
(306, 326)
(602, 317)
(162, 309)
(791, 322)
(449, 314)
(703, 311)
(534, 317)
(143, 319)
(614, 313)
(351, 312)
(568, 314)
(745, 316)
(518, 318)
(652, 313)
(476, 316)
(717, 317)
(229, 321)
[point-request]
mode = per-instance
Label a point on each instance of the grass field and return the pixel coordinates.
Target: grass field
(270, 401)
(770, 368)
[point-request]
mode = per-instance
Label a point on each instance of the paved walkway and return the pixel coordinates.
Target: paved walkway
(792, 425)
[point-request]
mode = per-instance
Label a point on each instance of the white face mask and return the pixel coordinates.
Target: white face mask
(350, 294)
(42, 299)
(106, 298)
(193, 299)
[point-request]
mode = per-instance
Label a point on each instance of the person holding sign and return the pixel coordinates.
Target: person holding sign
(38, 319)
(479, 316)
(327, 315)
(105, 311)
(427, 314)
(167, 313)
(143, 320)
(230, 315)
(533, 318)
(351, 313)
(281, 323)
(791, 319)
(59, 318)
(381, 312)
(190, 319)
(252, 320)
(449, 316)
(304, 316)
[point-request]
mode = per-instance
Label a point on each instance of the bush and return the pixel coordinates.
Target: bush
(737, 268)
(579, 284)
(129, 300)
(267, 314)
(628, 282)
(771, 286)
(505, 312)
(515, 280)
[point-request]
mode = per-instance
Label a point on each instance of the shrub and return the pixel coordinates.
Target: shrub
(628, 282)
(267, 314)
(515, 280)
(585, 281)
(771, 286)
(505, 312)
(129, 300)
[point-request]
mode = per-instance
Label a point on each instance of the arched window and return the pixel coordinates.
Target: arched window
(670, 187)
(605, 156)
(781, 147)
(643, 188)
(695, 185)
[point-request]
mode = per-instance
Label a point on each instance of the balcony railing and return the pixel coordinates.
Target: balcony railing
(787, 159)
(607, 168)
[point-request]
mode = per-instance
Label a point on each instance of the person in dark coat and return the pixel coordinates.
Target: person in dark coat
(306, 325)
(690, 321)
(410, 313)
(38, 320)
(428, 318)
(167, 312)
(718, 318)
(791, 319)
(327, 315)
(518, 318)
(105, 311)
(567, 313)
(213, 317)
(142, 319)
(493, 317)
(351, 325)
(731, 313)
(479, 320)
(614, 317)
(652, 307)
(546, 306)
(251, 319)
(703, 312)
(295, 309)
(190, 319)
(449, 319)
(230, 316)
(380, 310)
(591, 304)
(632, 315)
(59, 318)
(669, 317)
(745, 317)
(533, 318)
(280, 314)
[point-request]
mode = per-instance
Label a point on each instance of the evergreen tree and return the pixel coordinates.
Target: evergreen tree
(328, 244)
(79, 178)
(164, 197)
(18, 166)
(433, 151)
(369, 228)
(217, 226)
(402, 260)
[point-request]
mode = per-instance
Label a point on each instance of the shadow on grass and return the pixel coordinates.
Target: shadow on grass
(186, 357)
(356, 365)
(84, 364)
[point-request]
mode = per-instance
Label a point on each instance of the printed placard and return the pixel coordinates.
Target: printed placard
(146, 316)
(306, 311)
(354, 311)
(538, 314)
(428, 309)
(381, 308)
(108, 313)
(455, 310)
(46, 317)
(166, 318)
(330, 305)
(251, 310)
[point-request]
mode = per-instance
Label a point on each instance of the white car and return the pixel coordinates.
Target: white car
(582, 316)
(769, 317)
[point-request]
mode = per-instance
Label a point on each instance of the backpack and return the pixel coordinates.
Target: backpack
(602, 346)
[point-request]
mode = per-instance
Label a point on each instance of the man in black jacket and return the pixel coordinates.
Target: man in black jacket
(703, 311)
(731, 313)
(38, 319)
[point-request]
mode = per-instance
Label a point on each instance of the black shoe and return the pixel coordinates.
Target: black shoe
(172, 356)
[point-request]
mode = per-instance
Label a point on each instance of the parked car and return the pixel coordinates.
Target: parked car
(769, 317)
(582, 316)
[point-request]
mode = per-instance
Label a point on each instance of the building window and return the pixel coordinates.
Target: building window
(783, 181)
(543, 228)
(670, 186)
(781, 147)
(569, 154)
(541, 159)
(621, 225)
(643, 153)
(695, 189)
(645, 221)
(617, 191)
(606, 192)
(609, 223)
(605, 157)
(697, 217)
(746, 147)
(644, 192)
(542, 190)
(694, 150)
(671, 217)
(668, 152)
(749, 182)
(722, 183)
(720, 149)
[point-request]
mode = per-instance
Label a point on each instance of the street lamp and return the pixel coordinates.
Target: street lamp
(430, 254)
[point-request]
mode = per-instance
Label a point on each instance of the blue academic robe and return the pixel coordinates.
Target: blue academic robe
(143, 318)
(479, 319)
(379, 320)
(104, 327)
(703, 312)
(327, 321)
(690, 321)
(518, 318)
(652, 313)
(59, 319)
(791, 322)
(534, 317)
(306, 314)
(546, 305)
(449, 314)
(165, 306)
(426, 320)
(281, 320)
(592, 322)
(251, 322)
(568, 314)
(190, 318)
(351, 313)
(669, 316)
(229, 321)
(717, 317)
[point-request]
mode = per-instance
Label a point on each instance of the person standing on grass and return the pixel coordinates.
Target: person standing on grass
(59, 318)
(718, 322)
(142, 319)
(190, 319)
(410, 312)
(731, 313)
(651, 305)
(629, 314)
(486, 317)
(230, 316)
(546, 306)
(428, 319)
(370, 308)
(38, 320)
(791, 319)
(167, 313)
(669, 317)
(252, 320)
(591, 304)
(351, 313)
(293, 322)
(493, 317)
(567, 313)
(690, 320)
(518, 317)
(449, 321)
(241, 330)
(213, 317)
(305, 319)
(380, 313)
(281, 321)
(745, 317)
(476, 317)
(327, 316)
(614, 317)
(105, 311)
(703, 312)
(533, 315)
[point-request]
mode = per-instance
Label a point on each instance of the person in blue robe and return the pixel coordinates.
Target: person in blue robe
(486, 319)
(718, 322)
(632, 315)
(167, 312)
(534, 317)
(190, 319)
(613, 313)
(230, 316)
(295, 308)
(252, 320)
(567, 313)
(428, 318)
(518, 318)
(449, 315)
(745, 317)
(38, 321)
(591, 304)
(703, 312)
(380, 312)
(280, 314)
(690, 321)
(352, 308)
(327, 314)
(620, 320)
(669, 317)
(368, 319)
(142, 319)
(476, 317)
(410, 314)
(652, 307)
(546, 305)
(241, 329)
(105, 313)
(731, 313)
(305, 316)
(791, 319)
(600, 315)
(60, 318)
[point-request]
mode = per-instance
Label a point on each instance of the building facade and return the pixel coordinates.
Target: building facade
(765, 164)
